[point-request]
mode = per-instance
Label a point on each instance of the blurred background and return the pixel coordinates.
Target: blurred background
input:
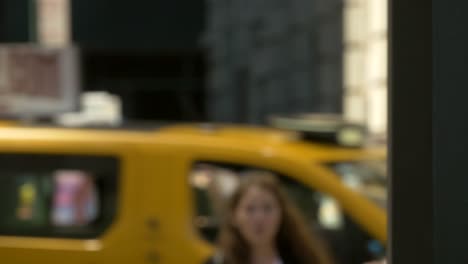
(222, 61)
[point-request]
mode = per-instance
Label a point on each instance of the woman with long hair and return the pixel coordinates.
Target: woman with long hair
(263, 227)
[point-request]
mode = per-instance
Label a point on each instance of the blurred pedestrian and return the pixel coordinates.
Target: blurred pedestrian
(263, 227)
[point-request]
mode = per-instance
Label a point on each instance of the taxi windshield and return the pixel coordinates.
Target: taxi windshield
(366, 177)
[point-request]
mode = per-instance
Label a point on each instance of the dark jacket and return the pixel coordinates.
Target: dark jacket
(218, 259)
(211, 261)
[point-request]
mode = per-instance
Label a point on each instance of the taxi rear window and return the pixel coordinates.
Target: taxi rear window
(57, 195)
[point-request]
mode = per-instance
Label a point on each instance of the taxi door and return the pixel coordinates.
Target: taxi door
(168, 237)
(68, 202)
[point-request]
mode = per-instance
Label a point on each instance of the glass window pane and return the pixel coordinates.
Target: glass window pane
(57, 195)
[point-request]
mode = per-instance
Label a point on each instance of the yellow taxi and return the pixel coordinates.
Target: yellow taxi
(153, 195)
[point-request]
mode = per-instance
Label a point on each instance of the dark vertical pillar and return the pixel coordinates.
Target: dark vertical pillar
(411, 122)
(450, 130)
(429, 149)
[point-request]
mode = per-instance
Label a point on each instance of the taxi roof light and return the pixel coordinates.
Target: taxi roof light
(329, 128)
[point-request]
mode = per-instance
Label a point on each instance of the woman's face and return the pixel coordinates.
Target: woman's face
(258, 217)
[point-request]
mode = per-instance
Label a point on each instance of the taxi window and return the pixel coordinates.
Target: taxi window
(57, 195)
(212, 184)
(366, 177)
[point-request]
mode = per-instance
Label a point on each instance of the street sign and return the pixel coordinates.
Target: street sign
(37, 81)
